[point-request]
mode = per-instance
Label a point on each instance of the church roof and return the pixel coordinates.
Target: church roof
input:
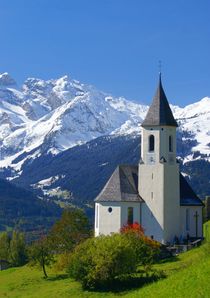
(159, 112)
(187, 195)
(122, 186)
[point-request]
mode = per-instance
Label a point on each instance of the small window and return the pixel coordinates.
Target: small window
(151, 143)
(187, 219)
(130, 215)
(110, 209)
(170, 144)
(151, 195)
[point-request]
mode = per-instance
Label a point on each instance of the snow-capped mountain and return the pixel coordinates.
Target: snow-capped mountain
(195, 118)
(55, 115)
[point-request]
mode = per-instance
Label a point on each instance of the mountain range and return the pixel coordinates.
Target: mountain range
(62, 139)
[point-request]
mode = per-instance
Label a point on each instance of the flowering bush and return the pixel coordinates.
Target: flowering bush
(135, 227)
(146, 249)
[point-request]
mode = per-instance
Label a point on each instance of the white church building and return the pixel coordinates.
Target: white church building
(153, 193)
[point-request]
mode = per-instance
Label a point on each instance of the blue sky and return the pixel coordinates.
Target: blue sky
(112, 44)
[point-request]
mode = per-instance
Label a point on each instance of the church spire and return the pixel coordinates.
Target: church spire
(159, 112)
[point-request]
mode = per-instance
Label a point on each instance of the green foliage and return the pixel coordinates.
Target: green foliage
(18, 255)
(186, 275)
(13, 250)
(40, 254)
(4, 246)
(71, 229)
(145, 248)
(99, 261)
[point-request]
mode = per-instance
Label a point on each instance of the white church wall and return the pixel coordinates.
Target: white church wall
(190, 227)
(108, 222)
(151, 190)
(111, 222)
(150, 225)
(171, 202)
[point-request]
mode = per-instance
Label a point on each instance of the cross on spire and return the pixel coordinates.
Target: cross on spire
(160, 66)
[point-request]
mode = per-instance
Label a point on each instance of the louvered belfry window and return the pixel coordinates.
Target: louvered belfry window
(170, 144)
(151, 143)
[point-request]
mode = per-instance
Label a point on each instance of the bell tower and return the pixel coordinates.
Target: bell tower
(159, 171)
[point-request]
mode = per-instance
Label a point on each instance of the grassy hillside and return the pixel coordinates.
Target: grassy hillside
(186, 275)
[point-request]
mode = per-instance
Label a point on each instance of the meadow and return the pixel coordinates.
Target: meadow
(185, 275)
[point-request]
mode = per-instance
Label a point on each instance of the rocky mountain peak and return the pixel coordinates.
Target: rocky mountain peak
(6, 80)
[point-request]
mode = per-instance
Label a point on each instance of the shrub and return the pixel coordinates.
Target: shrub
(98, 261)
(145, 248)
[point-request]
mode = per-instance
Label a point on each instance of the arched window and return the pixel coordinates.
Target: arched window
(151, 143)
(130, 215)
(170, 144)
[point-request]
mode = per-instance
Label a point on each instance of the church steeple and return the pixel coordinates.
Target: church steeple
(159, 113)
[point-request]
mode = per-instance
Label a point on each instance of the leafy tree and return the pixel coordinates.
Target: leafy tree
(71, 229)
(18, 254)
(40, 254)
(4, 246)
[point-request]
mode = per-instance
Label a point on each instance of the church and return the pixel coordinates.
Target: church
(153, 193)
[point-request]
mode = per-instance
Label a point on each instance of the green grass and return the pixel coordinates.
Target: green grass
(187, 275)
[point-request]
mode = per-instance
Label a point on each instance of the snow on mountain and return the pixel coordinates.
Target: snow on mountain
(195, 118)
(6, 80)
(58, 114)
(55, 115)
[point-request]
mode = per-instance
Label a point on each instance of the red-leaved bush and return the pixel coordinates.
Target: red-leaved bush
(146, 248)
(135, 227)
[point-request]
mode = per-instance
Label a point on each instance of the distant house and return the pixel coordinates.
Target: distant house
(153, 193)
(4, 264)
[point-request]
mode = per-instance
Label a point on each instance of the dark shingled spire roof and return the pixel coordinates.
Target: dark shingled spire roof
(159, 112)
